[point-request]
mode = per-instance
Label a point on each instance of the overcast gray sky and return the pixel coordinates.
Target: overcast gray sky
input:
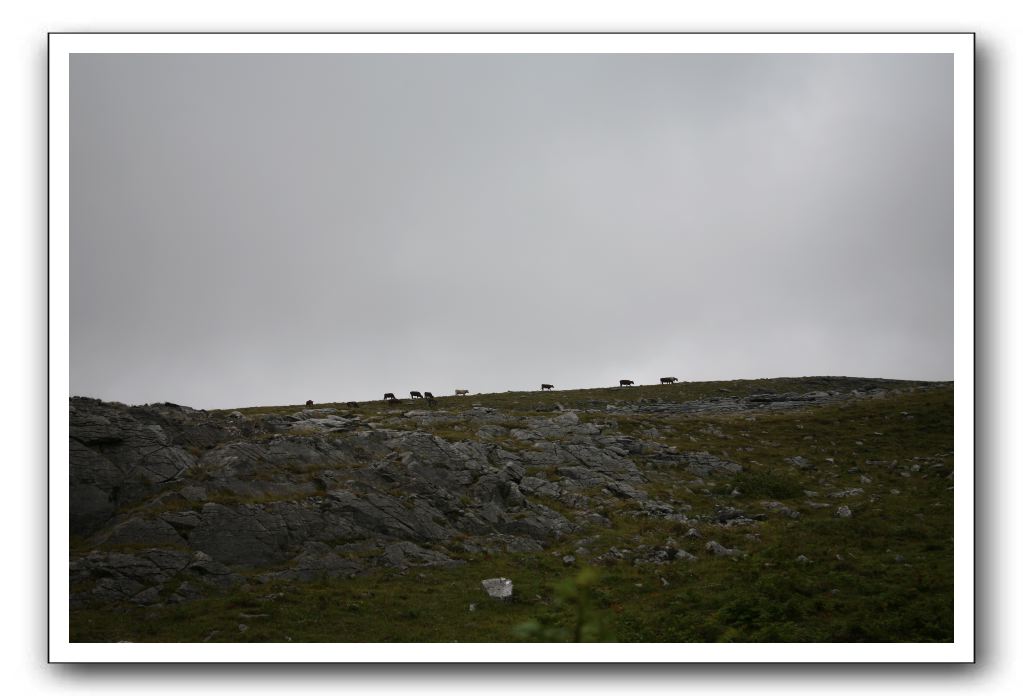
(266, 229)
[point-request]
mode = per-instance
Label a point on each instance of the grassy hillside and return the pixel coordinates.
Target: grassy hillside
(802, 571)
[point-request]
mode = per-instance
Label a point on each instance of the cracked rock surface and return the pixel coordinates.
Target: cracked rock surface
(167, 501)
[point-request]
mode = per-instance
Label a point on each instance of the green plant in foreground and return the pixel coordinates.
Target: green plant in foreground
(574, 594)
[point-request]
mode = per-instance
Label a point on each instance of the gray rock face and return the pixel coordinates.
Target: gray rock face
(116, 460)
(384, 515)
(704, 464)
(327, 424)
(315, 493)
(137, 530)
(315, 561)
(405, 554)
(244, 535)
(566, 419)
(139, 577)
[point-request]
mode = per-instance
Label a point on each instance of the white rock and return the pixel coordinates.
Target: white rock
(498, 588)
(719, 550)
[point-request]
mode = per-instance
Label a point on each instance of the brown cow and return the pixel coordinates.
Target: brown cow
(461, 392)
(625, 383)
(668, 380)
(546, 387)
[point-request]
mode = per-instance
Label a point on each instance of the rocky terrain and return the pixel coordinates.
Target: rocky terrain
(170, 505)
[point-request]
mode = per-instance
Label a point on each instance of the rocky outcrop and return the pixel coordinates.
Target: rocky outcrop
(154, 488)
(117, 460)
(167, 501)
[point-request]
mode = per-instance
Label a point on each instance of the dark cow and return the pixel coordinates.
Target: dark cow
(309, 403)
(625, 383)
(546, 387)
(428, 395)
(668, 380)
(351, 404)
(416, 395)
(461, 392)
(389, 397)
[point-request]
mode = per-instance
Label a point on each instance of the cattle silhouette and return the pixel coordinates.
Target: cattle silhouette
(428, 395)
(416, 395)
(668, 380)
(546, 387)
(625, 383)
(389, 397)
(309, 403)
(461, 392)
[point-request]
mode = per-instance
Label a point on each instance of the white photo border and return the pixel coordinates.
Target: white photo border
(63, 45)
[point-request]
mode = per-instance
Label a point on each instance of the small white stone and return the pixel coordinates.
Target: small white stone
(498, 588)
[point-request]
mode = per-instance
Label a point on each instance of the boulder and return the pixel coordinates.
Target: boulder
(498, 588)
(719, 550)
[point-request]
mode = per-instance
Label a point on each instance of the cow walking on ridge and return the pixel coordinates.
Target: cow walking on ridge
(415, 395)
(389, 397)
(461, 392)
(668, 380)
(625, 383)
(546, 387)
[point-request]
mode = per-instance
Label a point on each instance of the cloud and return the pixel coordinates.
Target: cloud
(253, 229)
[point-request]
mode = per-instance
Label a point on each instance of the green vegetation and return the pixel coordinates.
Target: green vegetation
(883, 574)
(588, 626)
